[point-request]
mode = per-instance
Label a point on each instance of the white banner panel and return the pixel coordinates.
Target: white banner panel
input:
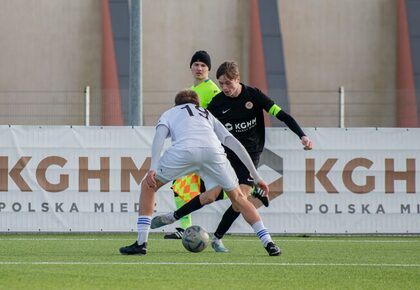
(359, 180)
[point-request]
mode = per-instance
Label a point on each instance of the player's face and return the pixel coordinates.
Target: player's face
(231, 88)
(200, 71)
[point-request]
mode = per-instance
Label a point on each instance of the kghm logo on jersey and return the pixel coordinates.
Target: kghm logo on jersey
(249, 105)
(241, 127)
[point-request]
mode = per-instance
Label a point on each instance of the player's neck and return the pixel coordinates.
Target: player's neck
(199, 81)
(237, 91)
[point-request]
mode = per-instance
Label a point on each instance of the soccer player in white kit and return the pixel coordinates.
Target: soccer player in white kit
(196, 147)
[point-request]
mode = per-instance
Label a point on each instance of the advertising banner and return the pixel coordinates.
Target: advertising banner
(355, 180)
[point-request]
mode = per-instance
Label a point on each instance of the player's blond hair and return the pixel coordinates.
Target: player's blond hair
(187, 96)
(230, 69)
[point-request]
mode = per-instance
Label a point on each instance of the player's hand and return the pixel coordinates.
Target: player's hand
(150, 179)
(264, 187)
(306, 142)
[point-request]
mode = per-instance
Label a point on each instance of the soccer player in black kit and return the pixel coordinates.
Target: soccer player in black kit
(240, 108)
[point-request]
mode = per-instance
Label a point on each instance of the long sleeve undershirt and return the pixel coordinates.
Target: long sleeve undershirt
(290, 122)
(160, 135)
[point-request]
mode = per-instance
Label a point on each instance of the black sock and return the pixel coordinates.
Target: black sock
(193, 205)
(227, 220)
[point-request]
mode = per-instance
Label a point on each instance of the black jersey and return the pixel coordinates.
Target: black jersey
(243, 116)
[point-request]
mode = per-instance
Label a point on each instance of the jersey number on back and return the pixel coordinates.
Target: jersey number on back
(202, 112)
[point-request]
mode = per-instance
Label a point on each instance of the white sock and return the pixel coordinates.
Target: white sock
(262, 233)
(143, 227)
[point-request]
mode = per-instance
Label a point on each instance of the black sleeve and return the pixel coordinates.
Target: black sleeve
(290, 122)
(265, 101)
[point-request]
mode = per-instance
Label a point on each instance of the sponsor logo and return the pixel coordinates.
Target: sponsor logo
(358, 175)
(363, 184)
(69, 207)
(229, 126)
(225, 111)
(328, 177)
(243, 126)
(61, 181)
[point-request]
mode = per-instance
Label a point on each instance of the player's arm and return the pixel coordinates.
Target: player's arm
(276, 111)
(162, 132)
(157, 145)
(281, 115)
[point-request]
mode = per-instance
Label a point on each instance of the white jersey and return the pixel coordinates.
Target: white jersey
(196, 147)
(188, 123)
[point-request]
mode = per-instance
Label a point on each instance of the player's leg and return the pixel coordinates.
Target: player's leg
(185, 188)
(250, 214)
(172, 165)
(225, 175)
(228, 218)
(198, 202)
(195, 204)
(231, 214)
(185, 222)
(147, 204)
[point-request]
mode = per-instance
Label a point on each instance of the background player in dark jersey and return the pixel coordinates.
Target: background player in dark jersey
(240, 109)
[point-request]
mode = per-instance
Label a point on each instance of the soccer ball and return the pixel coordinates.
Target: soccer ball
(195, 239)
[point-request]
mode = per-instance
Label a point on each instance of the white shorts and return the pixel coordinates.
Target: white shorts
(210, 164)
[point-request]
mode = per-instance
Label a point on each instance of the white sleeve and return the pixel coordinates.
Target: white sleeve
(220, 130)
(240, 151)
(160, 135)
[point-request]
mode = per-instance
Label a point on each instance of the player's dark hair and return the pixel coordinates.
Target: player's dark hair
(187, 96)
(229, 68)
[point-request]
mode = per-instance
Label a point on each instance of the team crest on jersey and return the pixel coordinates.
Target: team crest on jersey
(249, 105)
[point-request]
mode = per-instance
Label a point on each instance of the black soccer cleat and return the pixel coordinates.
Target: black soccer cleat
(272, 249)
(134, 249)
(259, 193)
(175, 236)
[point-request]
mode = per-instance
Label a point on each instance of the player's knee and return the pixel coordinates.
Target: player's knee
(238, 199)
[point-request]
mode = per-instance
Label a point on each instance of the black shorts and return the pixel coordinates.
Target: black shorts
(241, 171)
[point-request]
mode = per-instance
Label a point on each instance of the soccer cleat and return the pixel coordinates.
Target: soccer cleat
(175, 236)
(259, 193)
(161, 220)
(218, 246)
(134, 249)
(272, 249)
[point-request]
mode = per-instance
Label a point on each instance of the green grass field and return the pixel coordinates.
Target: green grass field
(92, 261)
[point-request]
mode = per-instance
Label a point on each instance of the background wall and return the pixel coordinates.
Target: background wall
(50, 50)
(174, 30)
(332, 43)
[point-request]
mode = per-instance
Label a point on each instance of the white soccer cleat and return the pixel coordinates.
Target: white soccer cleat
(218, 246)
(162, 220)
